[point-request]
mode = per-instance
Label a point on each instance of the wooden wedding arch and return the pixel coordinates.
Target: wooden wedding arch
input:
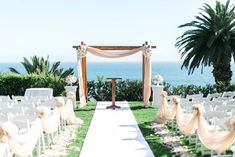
(83, 61)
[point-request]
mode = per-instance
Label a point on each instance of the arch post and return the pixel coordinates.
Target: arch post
(84, 73)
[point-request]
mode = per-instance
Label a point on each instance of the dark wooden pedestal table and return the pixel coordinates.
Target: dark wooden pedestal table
(113, 106)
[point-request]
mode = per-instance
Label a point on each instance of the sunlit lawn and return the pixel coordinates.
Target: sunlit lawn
(86, 115)
(144, 116)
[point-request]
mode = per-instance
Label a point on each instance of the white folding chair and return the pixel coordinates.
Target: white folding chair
(5, 98)
(214, 95)
(19, 98)
(194, 96)
(228, 94)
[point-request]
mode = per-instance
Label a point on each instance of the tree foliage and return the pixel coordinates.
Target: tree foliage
(42, 66)
(210, 41)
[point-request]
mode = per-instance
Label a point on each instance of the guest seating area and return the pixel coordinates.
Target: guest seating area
(218, 111)
(31, 123)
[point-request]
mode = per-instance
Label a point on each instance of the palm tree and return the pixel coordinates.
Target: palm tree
(210, 41)
(39, 65)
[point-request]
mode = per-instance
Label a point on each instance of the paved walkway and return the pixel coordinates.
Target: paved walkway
(114, 133)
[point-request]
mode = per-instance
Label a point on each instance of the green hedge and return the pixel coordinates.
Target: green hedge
(15, 84)
(100, 90)
(183, 90)
(129, 90)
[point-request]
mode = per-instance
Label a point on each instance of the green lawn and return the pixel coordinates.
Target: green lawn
(144, 116)
(86, 115)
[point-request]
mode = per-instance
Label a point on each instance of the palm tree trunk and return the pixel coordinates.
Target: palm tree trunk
(222, 74)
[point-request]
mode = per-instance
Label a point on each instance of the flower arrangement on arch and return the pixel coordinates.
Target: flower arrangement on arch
(70, 79)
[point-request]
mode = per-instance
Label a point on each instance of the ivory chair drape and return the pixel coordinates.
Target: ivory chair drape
(188, 124)
(216, 140)
(72, 119)
(165, 112)
(50, 122)
(21, 144)
(82, 51)
(66, 111)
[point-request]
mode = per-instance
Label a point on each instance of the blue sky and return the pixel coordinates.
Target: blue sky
(42, 27)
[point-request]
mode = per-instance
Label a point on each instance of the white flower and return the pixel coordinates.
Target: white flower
(82, 51)
(147, 51)
(70, 79)
(158, 80)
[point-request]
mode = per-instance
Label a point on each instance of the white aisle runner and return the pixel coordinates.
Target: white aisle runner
(114, 133)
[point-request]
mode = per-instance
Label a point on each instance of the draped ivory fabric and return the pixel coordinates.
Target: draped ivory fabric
(50, 122)
(64, 112)
(215, 140)
(189, 124)
(82, 94)
(21, 144)
(165, 112)
(82, 51)
(147, 79)
(72, 119)
(112, 54)
(67, 112)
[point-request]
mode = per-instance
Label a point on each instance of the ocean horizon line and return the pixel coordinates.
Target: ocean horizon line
(170, 71)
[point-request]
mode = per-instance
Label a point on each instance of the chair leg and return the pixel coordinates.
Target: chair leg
(48, 140)
(212, 153)
(52, 137)
(43, 142)
(39, 147)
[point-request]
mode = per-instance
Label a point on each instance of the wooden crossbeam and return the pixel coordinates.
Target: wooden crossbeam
(115, 47)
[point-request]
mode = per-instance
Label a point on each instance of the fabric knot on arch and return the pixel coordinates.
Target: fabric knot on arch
(147, 51)
(82, 51)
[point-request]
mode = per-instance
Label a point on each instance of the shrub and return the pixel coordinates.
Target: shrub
(100, 90)
(128, 90)
(16, 84)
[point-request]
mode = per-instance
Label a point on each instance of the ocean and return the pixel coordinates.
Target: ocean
(171, 71)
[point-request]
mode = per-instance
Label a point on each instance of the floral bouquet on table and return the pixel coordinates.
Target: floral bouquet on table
(70, 79)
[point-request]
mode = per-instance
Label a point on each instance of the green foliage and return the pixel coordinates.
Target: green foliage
(100, 90)
(183, 90)
(128, 90)
(16, 84)
(131, 90)
(41, 66)
(210, 41)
